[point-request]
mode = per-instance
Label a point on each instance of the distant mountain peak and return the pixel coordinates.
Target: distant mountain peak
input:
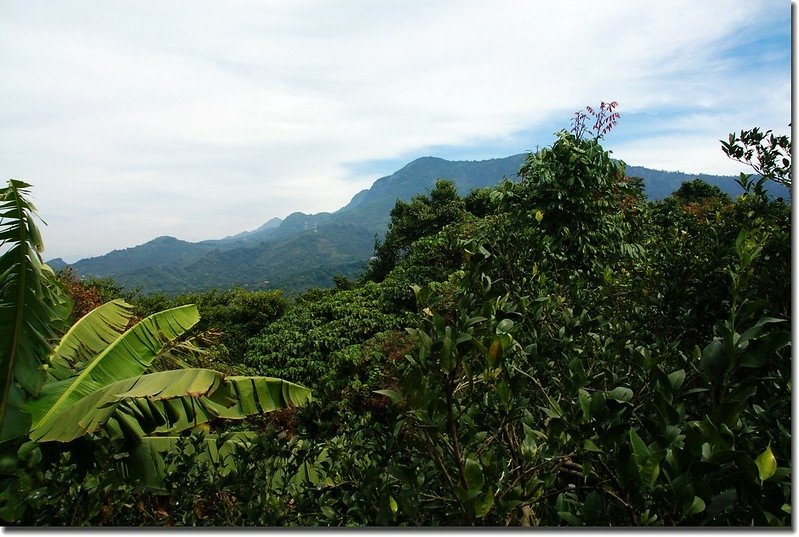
(426, 160)
(57, 263)
(270, 224)
(165, 239)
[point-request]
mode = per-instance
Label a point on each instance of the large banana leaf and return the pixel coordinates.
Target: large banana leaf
(32, 308)
(89, 337)
(169, 402)
(127, 357)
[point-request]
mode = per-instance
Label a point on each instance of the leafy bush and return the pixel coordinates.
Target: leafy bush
(300, 345)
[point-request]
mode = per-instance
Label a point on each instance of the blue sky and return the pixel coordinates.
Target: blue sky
(201, 119)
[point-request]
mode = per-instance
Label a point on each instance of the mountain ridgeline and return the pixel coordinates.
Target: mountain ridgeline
(307, 250)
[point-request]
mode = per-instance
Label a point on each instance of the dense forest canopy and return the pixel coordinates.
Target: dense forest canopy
(553, 351)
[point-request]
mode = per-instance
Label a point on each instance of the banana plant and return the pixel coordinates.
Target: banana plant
(125, 357)
(32, 309)
(93, 380)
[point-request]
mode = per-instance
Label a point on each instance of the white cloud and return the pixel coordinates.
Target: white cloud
(201, 119)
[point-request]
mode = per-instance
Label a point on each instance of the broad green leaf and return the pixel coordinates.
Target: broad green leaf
(756, 330)
(15, 424)
(598, 401)
(585, 403)
(503, 391)
(529, 445)
(474, 320)
(706, 429)
(766, 464)
(447, 359)
(593, 507)
(128, 356)
(467, 495)
(722, 501)
(726, 413)
(88, 337)
(175, 401)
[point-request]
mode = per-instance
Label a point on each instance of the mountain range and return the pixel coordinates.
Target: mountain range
(306, 250)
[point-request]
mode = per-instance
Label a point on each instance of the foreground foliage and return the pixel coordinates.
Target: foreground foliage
(93, 381)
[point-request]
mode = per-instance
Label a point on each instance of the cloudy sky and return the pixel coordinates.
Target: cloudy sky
(200, 119)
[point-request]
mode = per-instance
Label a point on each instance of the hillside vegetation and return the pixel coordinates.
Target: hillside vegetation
(554, 351)
(306, 250)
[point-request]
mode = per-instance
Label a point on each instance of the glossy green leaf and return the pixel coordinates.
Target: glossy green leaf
(505, 325)
(766, 464)
(697, 506)
(624, 395)
(593, 508)
(676, 379)
(650, 470)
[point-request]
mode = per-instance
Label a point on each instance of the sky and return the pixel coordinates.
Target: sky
(200, 119)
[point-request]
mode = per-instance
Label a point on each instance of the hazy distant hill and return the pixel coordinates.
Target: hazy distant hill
(57, 263)
(659, 184)
(166, 251)
(370, 208)
(306, 250)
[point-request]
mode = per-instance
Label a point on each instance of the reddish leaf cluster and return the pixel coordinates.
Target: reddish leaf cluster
(84, 298)
(605, 119)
